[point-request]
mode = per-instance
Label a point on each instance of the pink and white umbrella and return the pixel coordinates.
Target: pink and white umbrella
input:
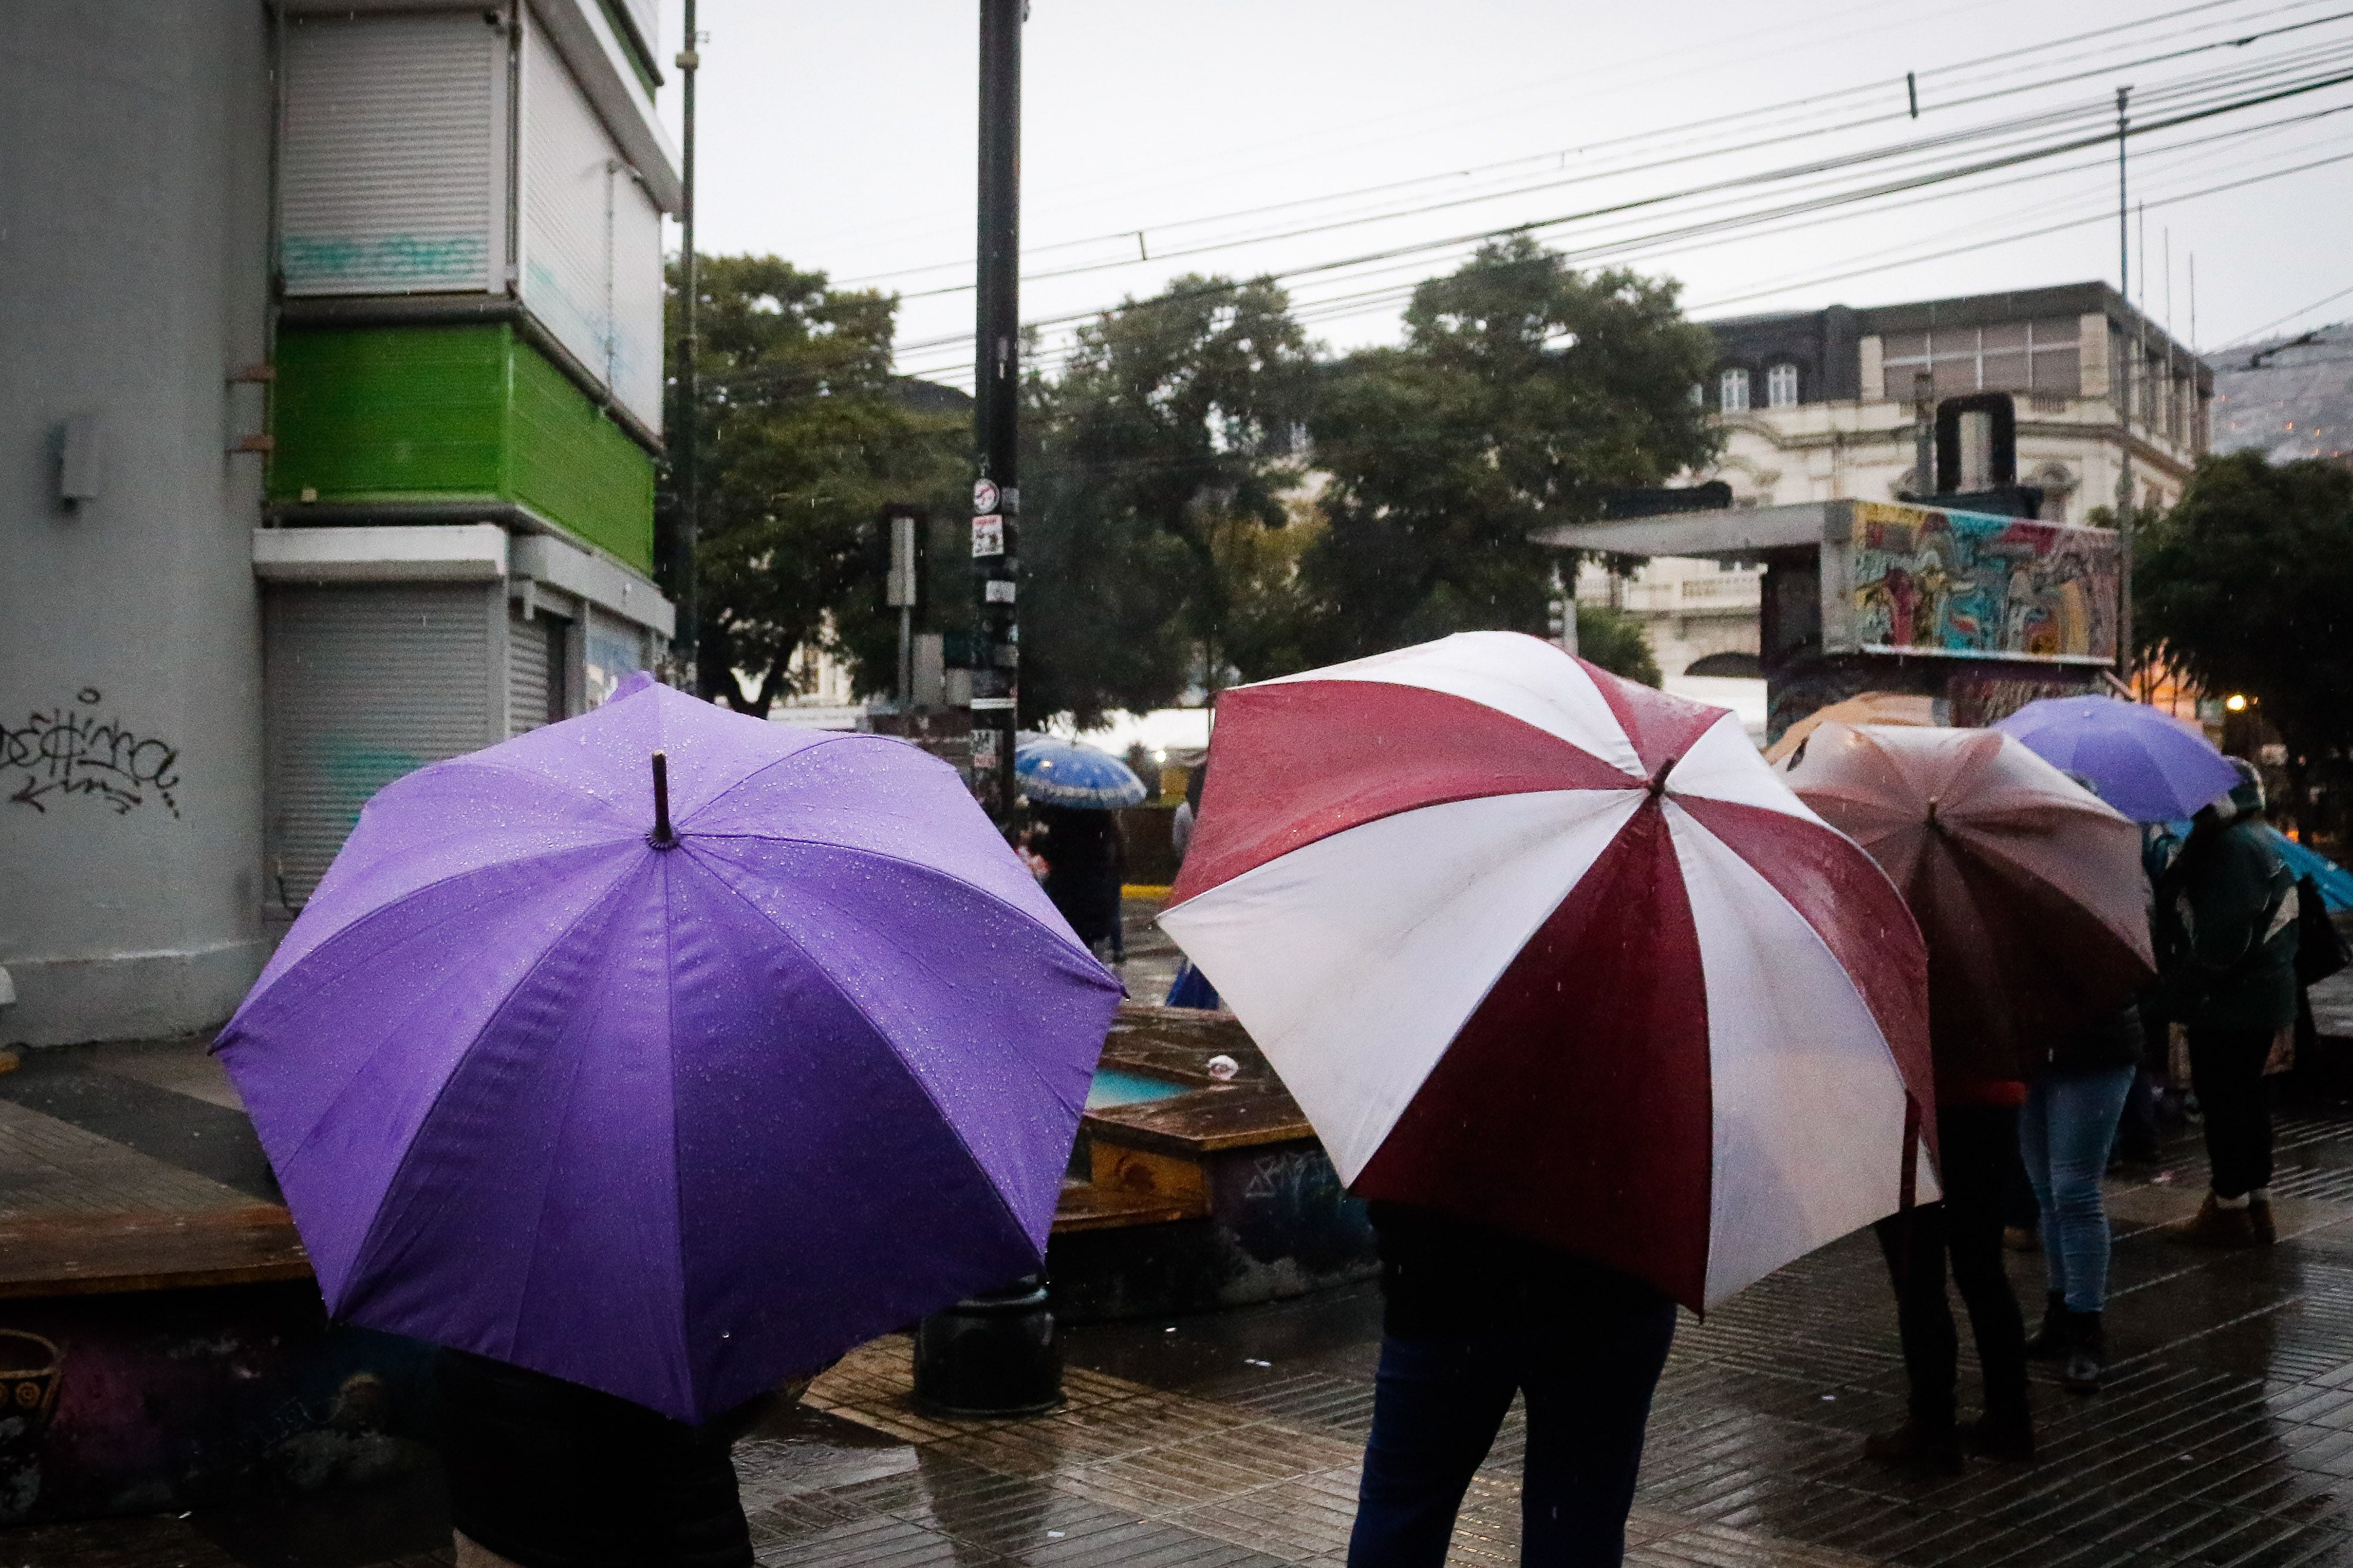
(1557, 952)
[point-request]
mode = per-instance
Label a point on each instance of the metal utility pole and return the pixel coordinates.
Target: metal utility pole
(2120, 388)
(996, 491)
(682, 586)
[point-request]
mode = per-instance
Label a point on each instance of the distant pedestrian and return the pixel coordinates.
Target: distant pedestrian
(1471, 1317)
(2227, 913)
(2065, 1130)
(1191, 988)
(1188, 810)
(547, 1474)
(1086, 867)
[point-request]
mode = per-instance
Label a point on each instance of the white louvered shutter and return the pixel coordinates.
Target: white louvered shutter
(392, 167)
(567, 227)
(364, 684)
(636, 378)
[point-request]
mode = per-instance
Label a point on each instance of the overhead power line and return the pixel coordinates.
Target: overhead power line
(1585, 176)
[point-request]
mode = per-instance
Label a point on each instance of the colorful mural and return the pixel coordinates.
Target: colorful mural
(1957, 583)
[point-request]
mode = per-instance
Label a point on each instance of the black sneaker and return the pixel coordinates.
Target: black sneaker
(2056, 1336)
(1914, 1448)
(2008, 1438)
(2086, 1366)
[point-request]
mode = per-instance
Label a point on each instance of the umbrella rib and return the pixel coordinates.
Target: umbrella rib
(377, 1220)
(481, 760)
(891, 1047)
(792, 756)
(886, 858)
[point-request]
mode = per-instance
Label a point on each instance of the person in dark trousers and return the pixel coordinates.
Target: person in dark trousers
(2226, 911)
(548, 1474)
(1472, 1316)
(1086, 865)
(2065, 1130)
(1977, 1140)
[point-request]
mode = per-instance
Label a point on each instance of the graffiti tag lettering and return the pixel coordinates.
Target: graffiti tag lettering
(72, 751)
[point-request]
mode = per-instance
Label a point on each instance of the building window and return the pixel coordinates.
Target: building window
(2009, 356)
(1733, 391)
(1698, 395)
(1781, 386)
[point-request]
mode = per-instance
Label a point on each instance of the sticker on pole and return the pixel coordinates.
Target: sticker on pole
(984, 497)
(988, 536)
(997, 591)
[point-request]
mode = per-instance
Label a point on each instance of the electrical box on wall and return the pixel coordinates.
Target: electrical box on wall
(78, 458)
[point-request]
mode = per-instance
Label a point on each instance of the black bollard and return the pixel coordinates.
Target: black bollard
(992, 1354)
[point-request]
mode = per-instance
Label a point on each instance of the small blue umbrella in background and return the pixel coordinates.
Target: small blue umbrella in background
(2147, 765)
(1064, 773)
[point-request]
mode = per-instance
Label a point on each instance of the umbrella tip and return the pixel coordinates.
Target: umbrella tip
(1659, 779)
(662, 837)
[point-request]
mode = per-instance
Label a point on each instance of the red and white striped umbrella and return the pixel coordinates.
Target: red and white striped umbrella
(1541, 947)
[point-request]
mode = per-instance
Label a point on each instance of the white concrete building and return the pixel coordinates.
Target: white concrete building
(1826, 405)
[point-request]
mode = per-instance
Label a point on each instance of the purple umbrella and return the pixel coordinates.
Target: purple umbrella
(2146, 766)
(673, 1112)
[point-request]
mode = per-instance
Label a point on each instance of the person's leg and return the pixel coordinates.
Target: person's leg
(2226, 1067)
(1914, 1244)
(2034, 1147)
(1436, 1405)
(1977, 1143)
(1589, 1390)
(2084, 1109)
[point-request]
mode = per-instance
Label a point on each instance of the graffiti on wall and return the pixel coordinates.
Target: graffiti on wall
(75, 750)
(1998, 587)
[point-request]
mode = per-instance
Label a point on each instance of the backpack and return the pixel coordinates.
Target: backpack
(2320, 950)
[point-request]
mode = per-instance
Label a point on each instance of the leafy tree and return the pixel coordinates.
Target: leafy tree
(1522, 392)
(805, 436)
(1616, 641)
(2247, 586)
(1165, 444)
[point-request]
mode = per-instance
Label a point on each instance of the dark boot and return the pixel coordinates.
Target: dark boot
(1915, 1448)
(2051, 1343)
(2009, 1435)
(2260, 1222)
(2215, 1226)
(2086, 1366)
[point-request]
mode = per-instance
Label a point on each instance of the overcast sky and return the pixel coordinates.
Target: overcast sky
(842, 138)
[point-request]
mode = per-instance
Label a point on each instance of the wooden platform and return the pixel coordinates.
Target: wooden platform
(81, 1213)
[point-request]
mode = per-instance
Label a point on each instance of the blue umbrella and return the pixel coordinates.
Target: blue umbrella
(2151, 767)
(2334, 881)
(1064, 773)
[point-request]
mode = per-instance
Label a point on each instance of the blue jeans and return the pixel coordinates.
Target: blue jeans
(1437, 1405)
(2065, 1132)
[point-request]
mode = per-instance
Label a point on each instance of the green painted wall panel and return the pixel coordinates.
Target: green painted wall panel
(387, 414)
(573, 464)
(390, 413)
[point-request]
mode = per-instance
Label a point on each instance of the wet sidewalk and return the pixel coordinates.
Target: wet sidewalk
(1231, 1441)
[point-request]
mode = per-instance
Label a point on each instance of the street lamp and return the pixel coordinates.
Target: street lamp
(2235, 703)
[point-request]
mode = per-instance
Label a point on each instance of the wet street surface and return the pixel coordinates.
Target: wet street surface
(2226, 1436)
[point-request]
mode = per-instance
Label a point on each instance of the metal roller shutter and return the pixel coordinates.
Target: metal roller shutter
(568, 176)
(391, 162)
(528, 669)
(365, 684)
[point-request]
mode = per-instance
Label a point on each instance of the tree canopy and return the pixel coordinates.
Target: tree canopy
(2246, 585)
(1524, 391)
(1204, 501)
(1152, 468)
(805, 434)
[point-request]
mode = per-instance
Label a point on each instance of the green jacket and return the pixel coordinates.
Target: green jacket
(2226, 913)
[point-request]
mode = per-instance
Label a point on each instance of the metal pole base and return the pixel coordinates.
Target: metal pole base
(992, 1355)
